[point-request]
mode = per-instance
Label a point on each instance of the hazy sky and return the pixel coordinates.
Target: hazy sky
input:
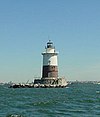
(73, 26)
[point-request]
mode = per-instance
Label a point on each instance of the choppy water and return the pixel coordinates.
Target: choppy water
(78, 100)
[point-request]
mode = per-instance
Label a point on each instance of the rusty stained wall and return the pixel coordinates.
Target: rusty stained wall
(50, 71)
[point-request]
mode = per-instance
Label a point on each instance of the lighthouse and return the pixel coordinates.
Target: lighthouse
(50, 62)
(49, 76)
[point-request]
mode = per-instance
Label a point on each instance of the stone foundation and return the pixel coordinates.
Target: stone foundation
(43, 83)
(51, 81)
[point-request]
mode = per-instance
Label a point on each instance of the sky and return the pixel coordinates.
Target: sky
(27, 25)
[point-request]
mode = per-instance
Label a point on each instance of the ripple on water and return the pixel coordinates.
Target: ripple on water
(15, 115)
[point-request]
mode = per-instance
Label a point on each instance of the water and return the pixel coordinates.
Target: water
(78, 100)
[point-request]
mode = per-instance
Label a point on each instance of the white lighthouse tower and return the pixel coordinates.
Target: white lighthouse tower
(50, 63)
(50, 69)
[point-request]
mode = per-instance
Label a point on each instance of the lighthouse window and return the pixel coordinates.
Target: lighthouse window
(49, 62)
(49, 44)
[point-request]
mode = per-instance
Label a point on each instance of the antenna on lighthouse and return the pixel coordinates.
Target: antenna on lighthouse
(48, 37)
